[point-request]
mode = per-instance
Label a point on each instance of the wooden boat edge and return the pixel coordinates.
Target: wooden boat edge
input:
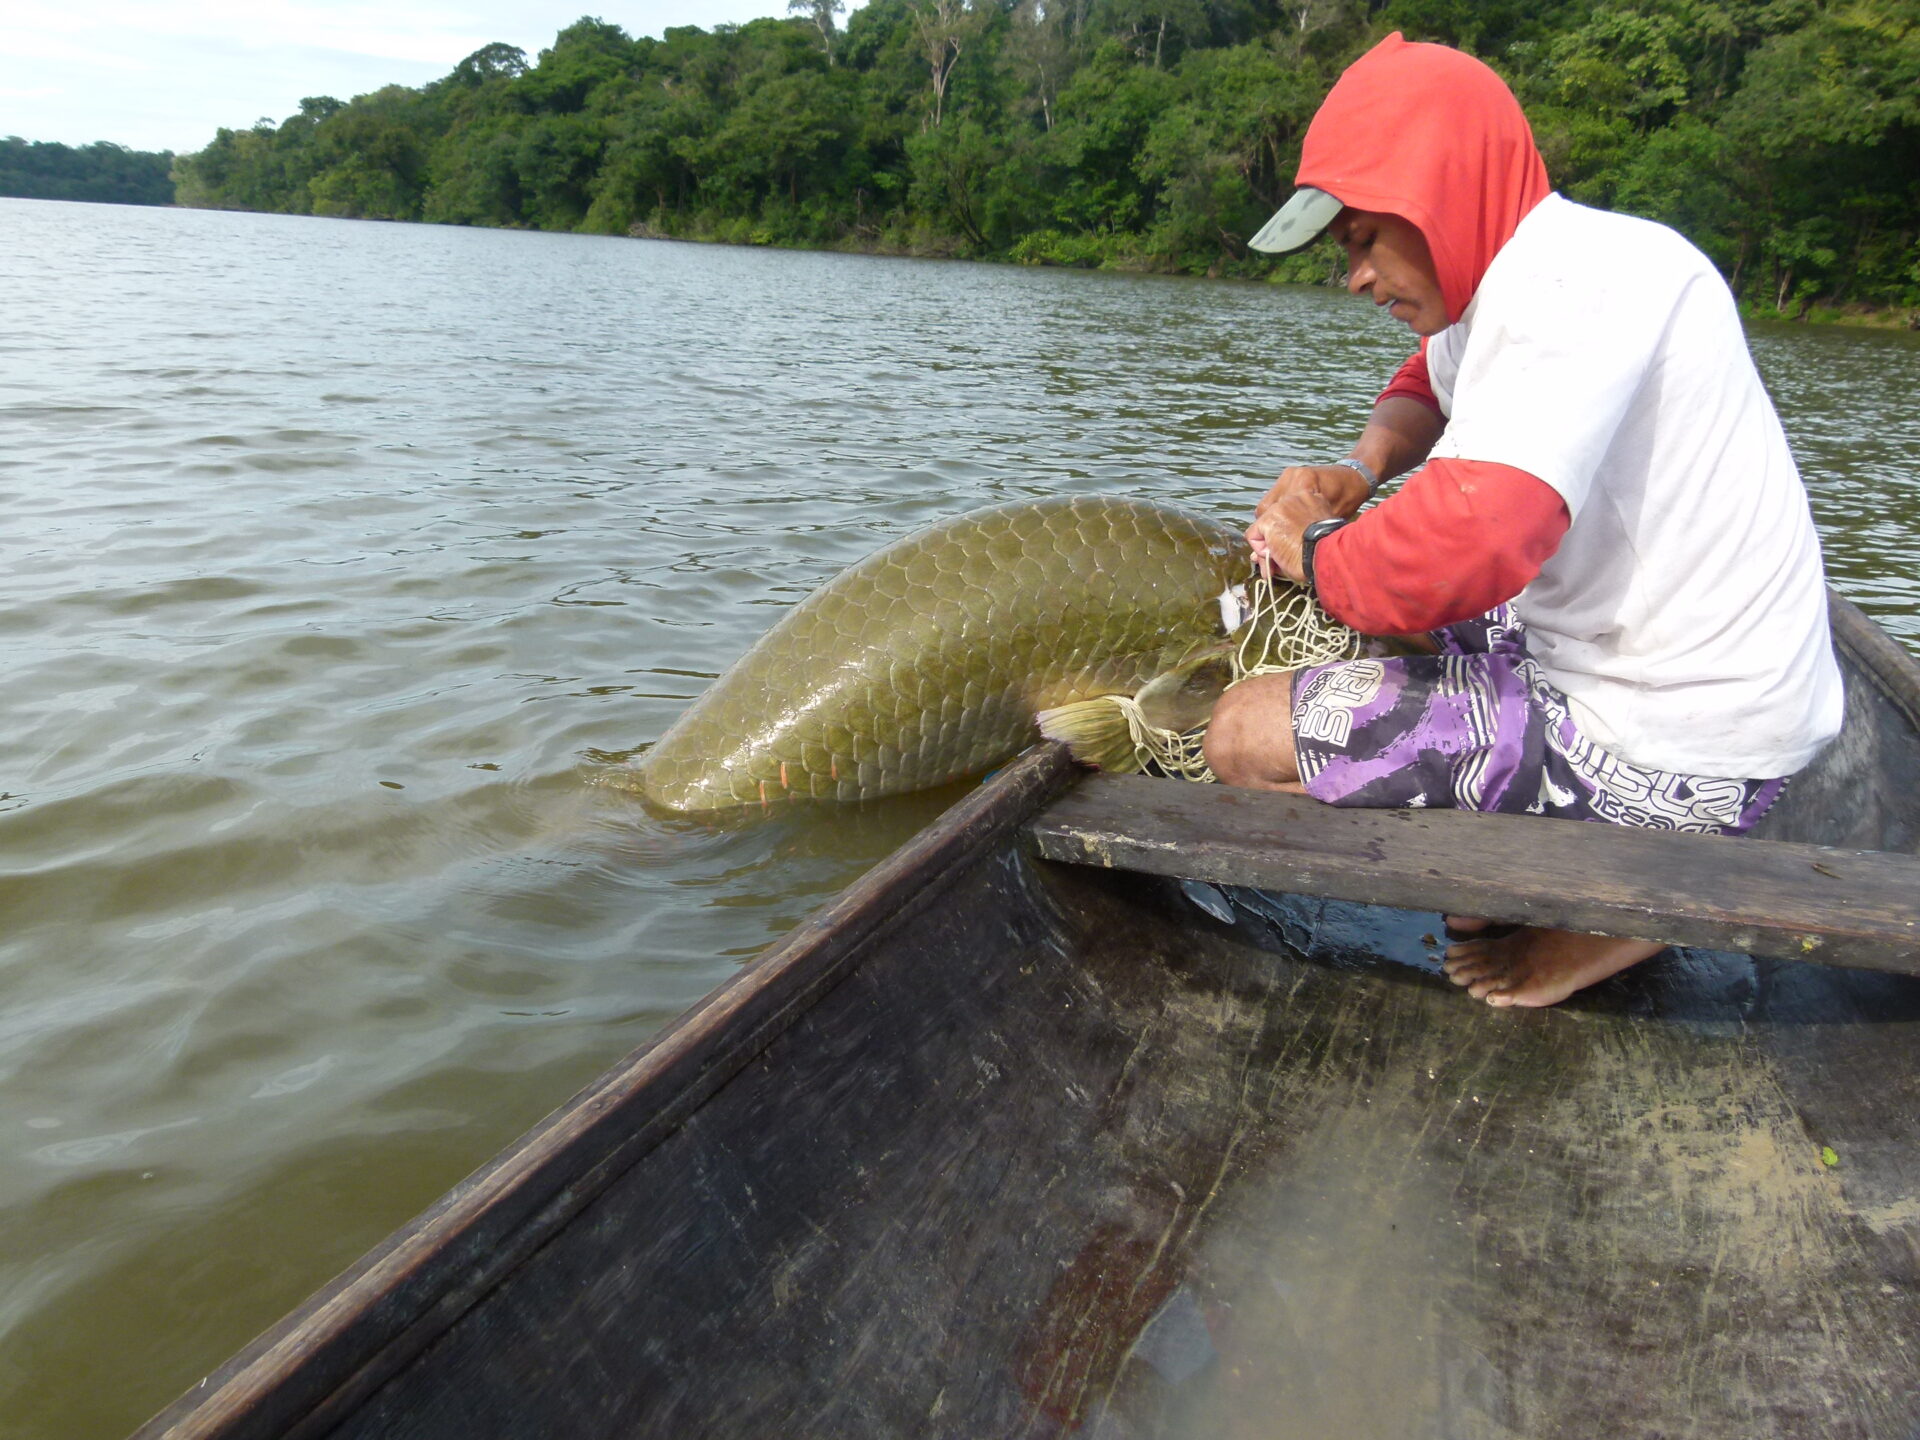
(297, 1377)
(1879, 657)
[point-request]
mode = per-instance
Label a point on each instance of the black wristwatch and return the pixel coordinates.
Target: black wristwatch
(1310, 537)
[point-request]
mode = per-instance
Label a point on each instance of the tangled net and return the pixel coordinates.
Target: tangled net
(1280, 627)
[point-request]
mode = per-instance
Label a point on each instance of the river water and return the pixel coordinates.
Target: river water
(341, 562)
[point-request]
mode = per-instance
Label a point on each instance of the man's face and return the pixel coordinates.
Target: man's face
(1387, 258)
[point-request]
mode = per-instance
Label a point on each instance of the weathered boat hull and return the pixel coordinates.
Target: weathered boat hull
(995, 1147)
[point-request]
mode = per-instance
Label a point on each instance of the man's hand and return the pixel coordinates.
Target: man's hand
(1400, 434)
(1302, 495)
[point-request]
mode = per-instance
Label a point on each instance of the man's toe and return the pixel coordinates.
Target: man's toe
(1493, 986)
(1468, 928)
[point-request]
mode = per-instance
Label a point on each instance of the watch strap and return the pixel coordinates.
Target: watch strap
(1364, 471)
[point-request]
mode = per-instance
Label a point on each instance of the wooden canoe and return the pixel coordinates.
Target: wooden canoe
(997, 1145)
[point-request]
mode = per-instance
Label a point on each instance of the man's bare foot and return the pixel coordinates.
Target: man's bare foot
(1473, 927)
(1536, 967)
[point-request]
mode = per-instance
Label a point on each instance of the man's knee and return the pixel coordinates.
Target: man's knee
(1249, 741)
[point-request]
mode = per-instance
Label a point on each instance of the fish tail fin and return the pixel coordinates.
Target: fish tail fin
(1096, 731)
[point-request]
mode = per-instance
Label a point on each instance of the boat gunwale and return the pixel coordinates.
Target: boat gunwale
(307, 1372)
(1880, 658)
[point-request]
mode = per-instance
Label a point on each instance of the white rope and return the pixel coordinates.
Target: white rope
(1284, 629)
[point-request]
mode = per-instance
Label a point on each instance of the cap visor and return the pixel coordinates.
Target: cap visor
(1299, 222)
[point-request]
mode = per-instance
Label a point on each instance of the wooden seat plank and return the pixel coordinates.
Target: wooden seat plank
(1810, 902)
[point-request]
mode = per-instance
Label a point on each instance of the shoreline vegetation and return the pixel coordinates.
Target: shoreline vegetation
(1319, 266)
(1781, 136)
(101, 173)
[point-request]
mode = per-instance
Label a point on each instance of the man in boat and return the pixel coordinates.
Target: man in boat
(1607, 542)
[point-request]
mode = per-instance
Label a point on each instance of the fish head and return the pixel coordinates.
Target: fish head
(1182, 696)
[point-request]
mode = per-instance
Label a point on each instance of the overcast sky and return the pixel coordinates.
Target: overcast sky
(165, 74)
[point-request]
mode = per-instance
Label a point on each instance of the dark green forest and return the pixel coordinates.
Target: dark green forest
(1782, 136)
(47, 170)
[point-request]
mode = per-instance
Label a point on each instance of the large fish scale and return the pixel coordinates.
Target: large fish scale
(927, 661)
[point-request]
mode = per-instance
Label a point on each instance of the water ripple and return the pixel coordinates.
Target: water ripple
(344, 567)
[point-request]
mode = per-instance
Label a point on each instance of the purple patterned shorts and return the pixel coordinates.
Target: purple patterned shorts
(1477, 727)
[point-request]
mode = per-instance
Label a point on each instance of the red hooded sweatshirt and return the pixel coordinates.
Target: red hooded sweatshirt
(1434, 136)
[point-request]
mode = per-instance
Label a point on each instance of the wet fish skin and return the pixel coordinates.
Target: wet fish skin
(927, 661)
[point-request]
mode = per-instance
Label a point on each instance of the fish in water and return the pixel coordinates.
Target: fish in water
(928, 661)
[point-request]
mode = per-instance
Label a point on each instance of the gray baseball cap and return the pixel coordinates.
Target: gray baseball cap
(1298, 222)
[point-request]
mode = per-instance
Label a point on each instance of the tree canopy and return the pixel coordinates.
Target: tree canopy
(1781, 136)
(113, 174)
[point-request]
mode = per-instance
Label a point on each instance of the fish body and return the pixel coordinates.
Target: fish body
(927, 661)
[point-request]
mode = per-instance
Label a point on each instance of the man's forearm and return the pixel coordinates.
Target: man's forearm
(1399, 435)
